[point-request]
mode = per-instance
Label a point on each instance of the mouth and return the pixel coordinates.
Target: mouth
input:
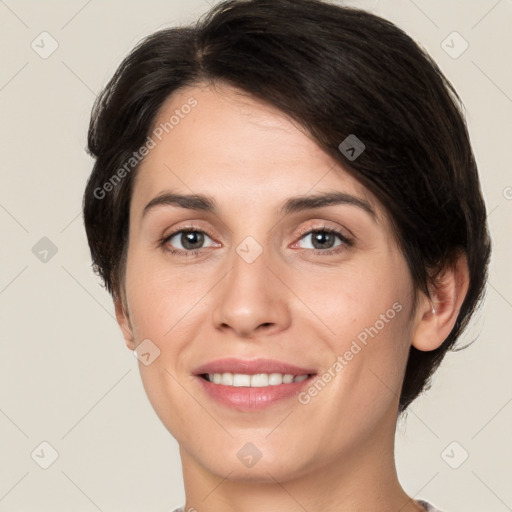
(258, 380)
(252, 385)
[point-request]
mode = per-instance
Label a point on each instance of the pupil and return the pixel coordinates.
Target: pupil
(319, 237)
(190, 239)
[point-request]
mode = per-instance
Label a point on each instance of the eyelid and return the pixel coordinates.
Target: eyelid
(323, 226)
(191, 226)
(345, 244)
(185, 229)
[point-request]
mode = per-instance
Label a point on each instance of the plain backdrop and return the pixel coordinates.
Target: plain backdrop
(71, 397)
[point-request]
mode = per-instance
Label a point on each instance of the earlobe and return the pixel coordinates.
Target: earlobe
(123, 320)
(437, 316)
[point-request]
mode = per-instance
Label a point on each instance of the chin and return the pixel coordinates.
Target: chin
(247, 463)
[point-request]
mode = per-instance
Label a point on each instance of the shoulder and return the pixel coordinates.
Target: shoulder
(428, 507)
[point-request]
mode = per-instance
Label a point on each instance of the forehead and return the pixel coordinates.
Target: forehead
(222, 142)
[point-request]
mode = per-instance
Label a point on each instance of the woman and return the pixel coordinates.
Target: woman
(286, 210)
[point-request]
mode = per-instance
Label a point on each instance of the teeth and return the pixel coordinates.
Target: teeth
(259, 380)
(226, 379)
(275, 378)
(240, 380)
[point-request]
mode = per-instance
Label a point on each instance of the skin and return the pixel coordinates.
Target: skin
(335, 453)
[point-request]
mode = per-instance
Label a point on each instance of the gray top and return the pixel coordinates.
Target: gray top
(428, 507)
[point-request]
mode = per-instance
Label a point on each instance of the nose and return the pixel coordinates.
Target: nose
(251, 301)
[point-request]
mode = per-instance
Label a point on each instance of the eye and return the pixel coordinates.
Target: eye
(190, 241)
(323, 240)
(186, 241)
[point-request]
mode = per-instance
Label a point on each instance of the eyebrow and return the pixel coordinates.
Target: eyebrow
(200, 202)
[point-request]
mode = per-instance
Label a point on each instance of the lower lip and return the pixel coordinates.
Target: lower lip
(252, 399)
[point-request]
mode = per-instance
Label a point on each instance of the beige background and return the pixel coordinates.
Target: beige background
(66, 377)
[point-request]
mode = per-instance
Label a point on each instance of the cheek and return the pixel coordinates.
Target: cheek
(160, 300)
(161, 309)
(354, 300)
(367, 313)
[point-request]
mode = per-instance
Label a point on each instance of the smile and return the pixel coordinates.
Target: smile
(258, 380)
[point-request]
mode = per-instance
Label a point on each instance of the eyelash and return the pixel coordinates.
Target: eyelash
(346, 242)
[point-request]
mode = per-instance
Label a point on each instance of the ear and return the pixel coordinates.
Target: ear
(123, 319)
(437, 316)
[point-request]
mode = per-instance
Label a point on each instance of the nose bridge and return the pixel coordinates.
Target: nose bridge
(250, 249)
(249, 279)
(249, 296)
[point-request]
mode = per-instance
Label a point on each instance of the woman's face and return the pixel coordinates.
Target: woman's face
(251, 283)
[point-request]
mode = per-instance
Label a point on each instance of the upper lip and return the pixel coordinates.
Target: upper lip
(251, 367)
